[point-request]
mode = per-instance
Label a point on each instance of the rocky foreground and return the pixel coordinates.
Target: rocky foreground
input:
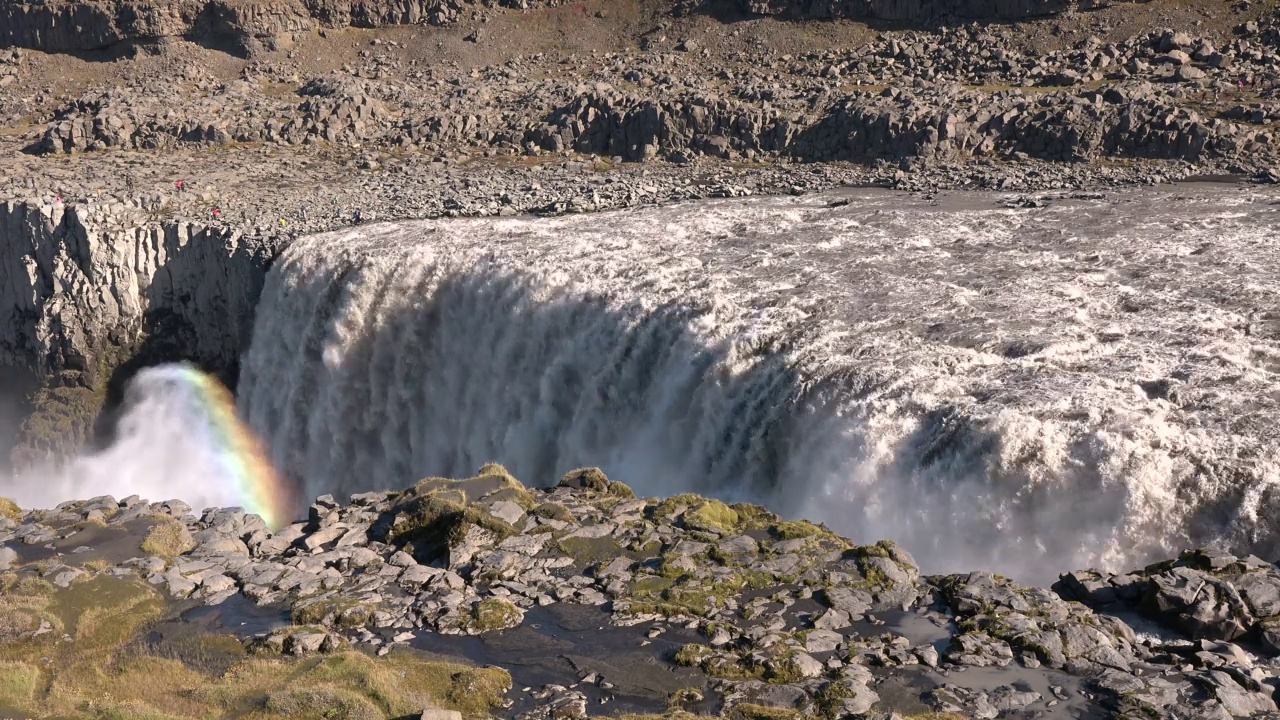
(585, 600)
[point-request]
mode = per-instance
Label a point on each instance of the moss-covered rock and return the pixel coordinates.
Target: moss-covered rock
(441, 517)
(332, 612)
(495, 614)
(591, 479)
(691, 655)
(621, 489)
(554, 511)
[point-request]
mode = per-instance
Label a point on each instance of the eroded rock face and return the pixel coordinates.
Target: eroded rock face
(84, 288)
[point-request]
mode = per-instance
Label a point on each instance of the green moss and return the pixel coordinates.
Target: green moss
(875, 577)
(711, 515)
(168, 538)
(685, 596)
(494, 614)
(793, 529)
(649, 548)
(587, 551)
(754, 516)
(686, 696)
(10, 509)
(554, 511)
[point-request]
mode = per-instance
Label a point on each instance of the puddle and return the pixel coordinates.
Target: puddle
(560, 642)
(208, 638)
(917, 628)
(1038, 680)
(112, 544)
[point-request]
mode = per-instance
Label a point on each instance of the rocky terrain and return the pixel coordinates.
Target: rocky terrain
(585, 600)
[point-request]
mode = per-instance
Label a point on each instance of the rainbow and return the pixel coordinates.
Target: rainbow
(238, 452)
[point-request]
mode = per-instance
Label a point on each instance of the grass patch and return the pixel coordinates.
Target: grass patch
(591, 479)
(882, 549)
(494, 614)
(748, 711)
(168, 538)
(18, 684)
(323, 702)
(554, 511)
(10, 509)
(711, 515)
(671, 505)
(99, 680)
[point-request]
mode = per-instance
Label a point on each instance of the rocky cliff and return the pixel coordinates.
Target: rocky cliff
(84, 287)
(74, 26)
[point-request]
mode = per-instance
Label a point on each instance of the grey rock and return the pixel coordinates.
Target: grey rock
(438, 714)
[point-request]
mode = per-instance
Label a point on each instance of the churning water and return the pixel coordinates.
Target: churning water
(1090, 382)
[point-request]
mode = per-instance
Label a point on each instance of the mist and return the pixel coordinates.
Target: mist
(165, 447)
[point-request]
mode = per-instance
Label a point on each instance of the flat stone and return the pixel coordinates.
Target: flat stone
(507, 510)
(738, 545)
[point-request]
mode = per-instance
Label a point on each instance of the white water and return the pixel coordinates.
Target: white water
(963, 378)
